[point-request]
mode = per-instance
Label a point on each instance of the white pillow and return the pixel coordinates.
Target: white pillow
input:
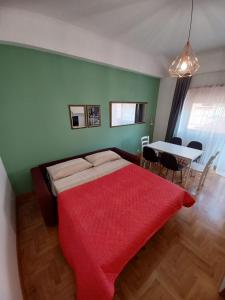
(102, 157)
(68, 168)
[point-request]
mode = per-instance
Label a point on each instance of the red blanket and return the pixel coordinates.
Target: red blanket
(104, 223)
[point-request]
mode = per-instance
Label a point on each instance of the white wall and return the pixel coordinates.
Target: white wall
(212, 61)
(9, 277)
(38, 31)
(165, 98)
(212, 78)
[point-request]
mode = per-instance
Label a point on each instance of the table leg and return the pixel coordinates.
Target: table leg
(188, 173)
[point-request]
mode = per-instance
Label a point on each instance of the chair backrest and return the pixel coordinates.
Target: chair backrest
(176, 140)
(206, 169)
(217, 153)
(149, 154)
(144, 141)
(195, 145)
(211, 160)
(169, 161)
(209, 163)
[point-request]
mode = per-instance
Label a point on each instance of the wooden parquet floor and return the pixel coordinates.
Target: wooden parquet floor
(184, 260)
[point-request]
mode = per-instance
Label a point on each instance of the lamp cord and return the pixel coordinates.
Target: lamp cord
(192, 8)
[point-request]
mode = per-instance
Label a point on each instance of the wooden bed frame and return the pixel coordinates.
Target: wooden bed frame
(42, 190)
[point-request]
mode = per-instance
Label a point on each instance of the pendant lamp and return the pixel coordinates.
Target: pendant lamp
(187, 63)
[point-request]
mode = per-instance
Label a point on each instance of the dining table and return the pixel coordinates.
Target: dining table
(186, 153)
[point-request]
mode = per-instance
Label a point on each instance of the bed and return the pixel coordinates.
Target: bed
(104, 222)
(41, 186)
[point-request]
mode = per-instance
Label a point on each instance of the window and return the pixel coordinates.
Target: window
(123, 113)
(203, 119)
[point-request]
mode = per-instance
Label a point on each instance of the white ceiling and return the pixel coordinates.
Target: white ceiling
(151, 26)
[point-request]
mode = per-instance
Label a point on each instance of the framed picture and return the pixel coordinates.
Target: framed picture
(77, 116)
(93, 116)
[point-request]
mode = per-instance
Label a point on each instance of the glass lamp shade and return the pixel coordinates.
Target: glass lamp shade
(186, 64)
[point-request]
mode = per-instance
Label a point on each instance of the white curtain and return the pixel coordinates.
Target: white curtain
(203, 119)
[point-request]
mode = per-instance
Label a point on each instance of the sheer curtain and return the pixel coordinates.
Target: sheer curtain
(203, 119)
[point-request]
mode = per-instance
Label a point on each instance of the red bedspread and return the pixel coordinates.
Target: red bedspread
(104, 223)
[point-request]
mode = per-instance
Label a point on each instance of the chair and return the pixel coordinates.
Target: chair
(150, 156)
(176, 140)
(203, 169)
(170, 163)
(195, 145)
(144, 141)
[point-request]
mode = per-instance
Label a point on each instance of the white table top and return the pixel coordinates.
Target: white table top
(177, 150)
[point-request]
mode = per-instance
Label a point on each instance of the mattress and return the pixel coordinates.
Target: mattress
(87, 175)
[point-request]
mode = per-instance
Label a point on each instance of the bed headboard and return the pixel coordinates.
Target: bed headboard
(46, 200)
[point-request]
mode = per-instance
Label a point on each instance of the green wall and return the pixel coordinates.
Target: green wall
(35, 89)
